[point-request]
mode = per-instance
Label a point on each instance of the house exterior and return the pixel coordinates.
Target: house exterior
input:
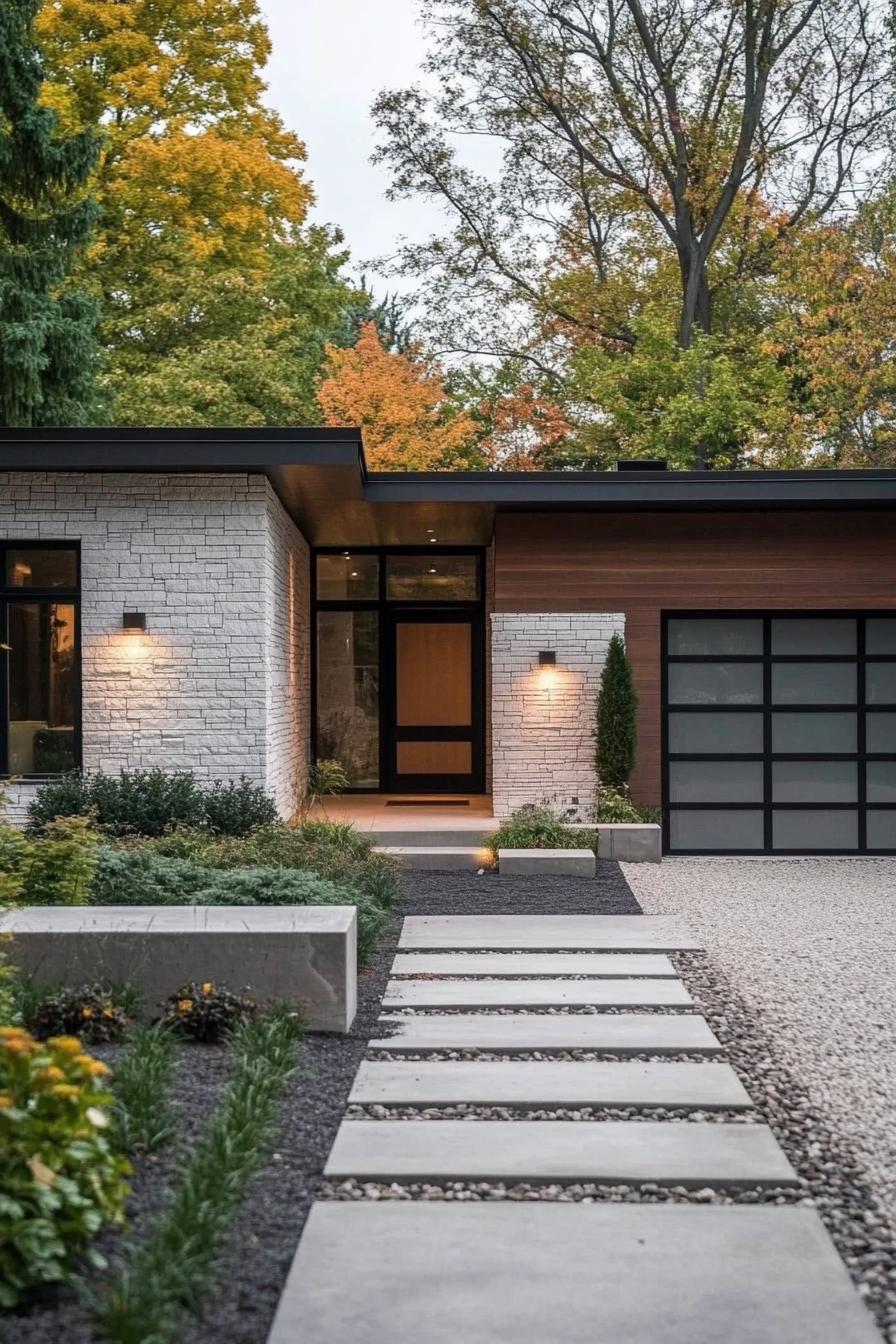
(239, 602)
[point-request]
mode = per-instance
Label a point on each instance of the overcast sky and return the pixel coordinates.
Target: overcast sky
(330, 58)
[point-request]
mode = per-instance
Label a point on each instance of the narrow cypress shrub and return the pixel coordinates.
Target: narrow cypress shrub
(615, 731)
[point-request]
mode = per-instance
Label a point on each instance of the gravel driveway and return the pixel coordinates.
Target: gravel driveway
(810, 944)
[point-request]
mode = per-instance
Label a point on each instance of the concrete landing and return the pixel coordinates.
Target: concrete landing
(512, 1273)
(617, 1033)
(559, 1150)
(536, 994)
(546, 1083)
(601, 933)
(437, 858)
(611, 966)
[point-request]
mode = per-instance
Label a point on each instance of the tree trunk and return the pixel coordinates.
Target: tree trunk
(696, 316)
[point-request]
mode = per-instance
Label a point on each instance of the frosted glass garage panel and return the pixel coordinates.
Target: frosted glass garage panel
(737, 734)
(880, 634)
(813, 635)
(815, 829)
(715, 781)
(805, 732)
(815, 782)
(814, 683)
(881, 829)
(724, 635)
(712, 829)
(880, 683)
(880, 732)
(881, 781)
(715, 683)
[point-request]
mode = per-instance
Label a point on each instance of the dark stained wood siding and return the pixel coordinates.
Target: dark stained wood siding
(644, 564)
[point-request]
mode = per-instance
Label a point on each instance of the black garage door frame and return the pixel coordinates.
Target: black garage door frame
(861, 658)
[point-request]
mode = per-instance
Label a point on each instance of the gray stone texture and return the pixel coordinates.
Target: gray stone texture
(437, 858)
(559, 1150)
(630, 842)
(612, 966)
(512, 1273)
(615, 1033)
(609, 933)
(304, 955)
(536, 994)
(543, 1083)
(546, 862)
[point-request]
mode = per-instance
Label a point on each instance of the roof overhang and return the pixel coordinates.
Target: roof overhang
(321, 477)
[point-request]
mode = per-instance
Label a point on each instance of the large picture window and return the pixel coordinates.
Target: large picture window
(40, 666)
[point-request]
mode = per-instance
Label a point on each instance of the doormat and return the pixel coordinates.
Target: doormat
(428, 802)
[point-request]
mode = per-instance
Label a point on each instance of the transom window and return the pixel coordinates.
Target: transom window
(40, 667)
(780, 732)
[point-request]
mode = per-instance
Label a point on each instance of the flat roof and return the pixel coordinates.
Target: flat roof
(322, 478)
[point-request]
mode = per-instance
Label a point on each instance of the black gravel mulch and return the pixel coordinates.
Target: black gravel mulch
(253, 1265)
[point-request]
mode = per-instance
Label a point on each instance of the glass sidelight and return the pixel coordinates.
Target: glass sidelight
(435, 732)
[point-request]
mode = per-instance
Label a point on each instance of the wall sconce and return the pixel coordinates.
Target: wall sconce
(134, 621)
(547, 658)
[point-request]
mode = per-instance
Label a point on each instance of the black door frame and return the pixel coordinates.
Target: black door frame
(386, 609)
(391, 734)
(767, 659)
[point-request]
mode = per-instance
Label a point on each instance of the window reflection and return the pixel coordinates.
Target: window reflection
(42, 687)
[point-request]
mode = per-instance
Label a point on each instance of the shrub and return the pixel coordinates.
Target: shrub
(143, 1117)
(142, 877)
(60, 864)
(13, 851)
(237, 809)
(151, 803)
(537, 828)
(60, 1180)
(9, 1012)
(615, 729)
(94, 1013)
(619, 806)
(325, 778)
(207, 1012)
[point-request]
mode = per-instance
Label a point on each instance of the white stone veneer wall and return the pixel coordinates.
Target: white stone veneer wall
(543, 718)
(200, 555)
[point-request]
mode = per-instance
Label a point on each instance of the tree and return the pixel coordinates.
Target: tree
(202, 260)
(47, 349)
(402, 405)
(617, 708)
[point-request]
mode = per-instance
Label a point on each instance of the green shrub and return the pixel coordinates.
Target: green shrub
(142, 877)
(60, 1180)
(617, 805)
(60, 863)
(151, 802)
(14, 849)
(238, 809)
(143, 1117)
(9, 1010)
(207, 1012)
(617, 708)
(537, 828)
(93, 1012)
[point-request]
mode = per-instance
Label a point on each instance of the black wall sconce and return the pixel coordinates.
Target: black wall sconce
(133, 620)
(547, 658)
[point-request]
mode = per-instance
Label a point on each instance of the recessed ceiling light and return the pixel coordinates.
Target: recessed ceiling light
(432, 571)
(354, 574)
(433, 538)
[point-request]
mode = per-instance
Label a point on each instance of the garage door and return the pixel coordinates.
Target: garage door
(779, 733)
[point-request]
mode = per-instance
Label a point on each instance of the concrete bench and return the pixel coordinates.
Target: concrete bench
(546, 863)
(303, 955)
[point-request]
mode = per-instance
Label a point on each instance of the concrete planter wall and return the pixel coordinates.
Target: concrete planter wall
(628, 842)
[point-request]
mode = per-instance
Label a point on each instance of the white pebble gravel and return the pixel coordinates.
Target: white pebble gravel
(811, 945)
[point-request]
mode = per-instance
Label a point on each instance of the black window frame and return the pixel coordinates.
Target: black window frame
(19, 595)
(861, 708)
(386, 608)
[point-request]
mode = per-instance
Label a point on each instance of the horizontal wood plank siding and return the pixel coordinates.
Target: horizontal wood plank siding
(644, 564)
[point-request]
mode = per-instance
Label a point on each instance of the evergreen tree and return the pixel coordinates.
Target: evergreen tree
(47, 350)
(616, 710)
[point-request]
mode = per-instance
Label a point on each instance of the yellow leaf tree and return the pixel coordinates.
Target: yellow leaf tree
(400, 403)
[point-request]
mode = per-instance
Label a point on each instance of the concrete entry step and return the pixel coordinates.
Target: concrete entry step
(542, 933)
(547, 863)
(616, 1033)
(470, 836)
(626, 1152)
(437, 858)
(536, 994)
(547, 1083)
(610, 965)
(438, 1272)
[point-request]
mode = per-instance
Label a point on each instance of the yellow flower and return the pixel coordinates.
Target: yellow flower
(207, 987)
(67, 1045)
(87, 1012)
(184, 1005)
(5, 1101)
(107, 1012)
(51, 1074)
(64, 1090)
(97, 1069)
(7, 1032)
(18, 1046)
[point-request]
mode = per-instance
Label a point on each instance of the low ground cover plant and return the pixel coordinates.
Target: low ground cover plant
(61, 1179)
(142, 1117)
(537, 828)
(164, 1276)
(151, 802)
(95, 1013)
(207, 1012)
